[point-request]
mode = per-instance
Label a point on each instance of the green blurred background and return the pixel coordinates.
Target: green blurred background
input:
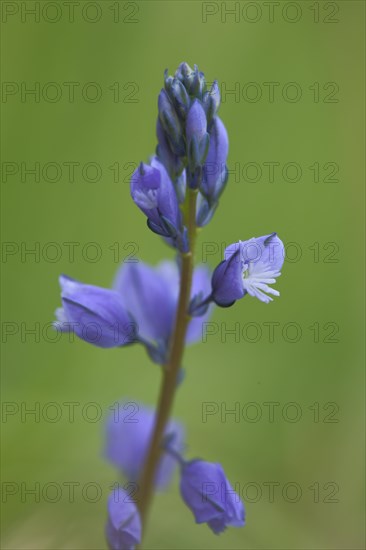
(323, 282)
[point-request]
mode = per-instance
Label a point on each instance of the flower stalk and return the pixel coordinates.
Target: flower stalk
(171, 369)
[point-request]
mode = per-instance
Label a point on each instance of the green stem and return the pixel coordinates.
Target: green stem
(171, 369)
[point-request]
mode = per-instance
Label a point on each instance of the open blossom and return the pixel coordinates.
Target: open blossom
(123, 529)
(140, 308)
(207, 492)
(129, 431)
(96, 315)
(249, 268)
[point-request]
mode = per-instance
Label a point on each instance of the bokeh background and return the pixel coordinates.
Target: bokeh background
(314, 373)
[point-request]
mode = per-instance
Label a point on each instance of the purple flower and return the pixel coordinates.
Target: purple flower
(96, 315)
(207, 492)
(153, 192)
(123, 529)
(150, 294)
(141, 308)
(249, 267)
(214, 170)
(129, 430)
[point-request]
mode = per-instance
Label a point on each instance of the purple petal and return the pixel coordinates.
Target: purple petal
(97, 315)
(151, 294)
(227, 282)
(129, 431)
(261, 259)
(209, 495)
(145, 183)
(167, 197)
(169, 273)
(151, 301)
(200, 489)
(266, 252)
(153, 192)
(123, 529)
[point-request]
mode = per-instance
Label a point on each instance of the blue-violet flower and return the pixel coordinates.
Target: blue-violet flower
(209, 495)
(249, 267)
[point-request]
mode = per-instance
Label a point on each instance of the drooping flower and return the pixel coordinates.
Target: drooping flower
(249, 268)
(96, 315)
(150, 294)
(123, 528)
(154, 193)
(128, 434)
(207, 492)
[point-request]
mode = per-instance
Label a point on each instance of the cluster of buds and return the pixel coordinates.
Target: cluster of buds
(191, 153)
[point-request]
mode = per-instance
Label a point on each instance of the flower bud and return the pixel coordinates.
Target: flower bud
(197, 136)
(204, 210)
(180, 97)
(196, 83)
(171, 124)
(196, 125)
(164, 152)
(215, 171)
(183, 72)
(211, 101)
